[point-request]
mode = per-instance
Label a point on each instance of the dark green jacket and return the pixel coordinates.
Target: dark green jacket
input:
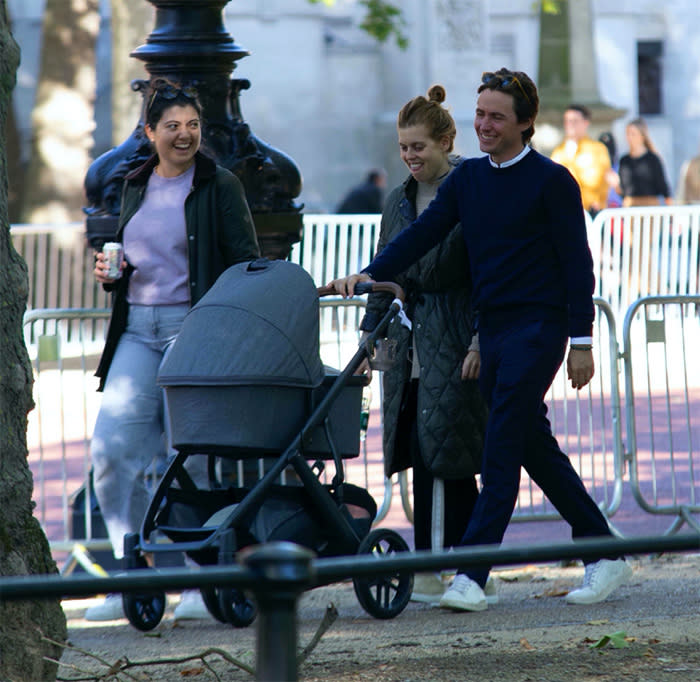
(451, 414)
(220, 233)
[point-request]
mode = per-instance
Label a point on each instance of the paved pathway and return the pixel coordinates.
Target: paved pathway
(660, 480)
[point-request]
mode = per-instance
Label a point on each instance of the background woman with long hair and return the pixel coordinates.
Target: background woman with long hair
(641, 177)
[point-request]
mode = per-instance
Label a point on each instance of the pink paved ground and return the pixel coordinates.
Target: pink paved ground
(661, 478)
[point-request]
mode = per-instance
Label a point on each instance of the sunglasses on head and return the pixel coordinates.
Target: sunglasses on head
(169, 92)
(503, 81)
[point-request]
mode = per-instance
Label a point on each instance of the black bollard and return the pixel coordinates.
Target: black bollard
(284, 571)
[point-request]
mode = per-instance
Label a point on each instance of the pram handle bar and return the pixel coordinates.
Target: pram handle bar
(368, 288)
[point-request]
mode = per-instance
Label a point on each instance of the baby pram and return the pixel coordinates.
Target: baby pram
(243, 382)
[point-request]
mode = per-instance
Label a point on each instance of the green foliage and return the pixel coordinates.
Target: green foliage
(382, 20)
(551, 6)
(546, 6)
(617, 640)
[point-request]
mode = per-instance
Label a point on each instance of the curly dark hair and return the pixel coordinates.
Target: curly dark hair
(163, 94)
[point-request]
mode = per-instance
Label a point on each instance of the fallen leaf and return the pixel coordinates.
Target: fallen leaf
(557, 589)
(526, 645)
(117, 665)
(598, 622)
(524, 574)
(191, 672)
(617, 640)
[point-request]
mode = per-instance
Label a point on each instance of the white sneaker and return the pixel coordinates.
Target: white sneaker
(109, 609)
(490, 591)
(464, 595)
(427, 588)
(600, 579)
(191, 606)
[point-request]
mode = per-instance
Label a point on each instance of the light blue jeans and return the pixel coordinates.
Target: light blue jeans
(131, 429)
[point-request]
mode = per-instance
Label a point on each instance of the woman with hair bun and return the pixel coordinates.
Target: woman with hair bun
(433, 419)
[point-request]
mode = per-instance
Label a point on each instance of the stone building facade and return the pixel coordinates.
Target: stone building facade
(327, 94)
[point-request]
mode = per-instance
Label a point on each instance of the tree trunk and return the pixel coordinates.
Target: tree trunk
(15, 167)
(132, 21)
(24, 549)
(63, 116)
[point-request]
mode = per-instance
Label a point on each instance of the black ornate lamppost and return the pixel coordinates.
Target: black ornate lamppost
(190, 46)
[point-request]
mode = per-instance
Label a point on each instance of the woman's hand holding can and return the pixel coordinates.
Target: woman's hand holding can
(109, 263)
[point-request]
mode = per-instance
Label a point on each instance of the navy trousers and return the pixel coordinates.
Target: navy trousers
(521, 352)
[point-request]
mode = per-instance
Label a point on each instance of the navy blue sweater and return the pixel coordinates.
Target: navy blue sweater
(525, 233)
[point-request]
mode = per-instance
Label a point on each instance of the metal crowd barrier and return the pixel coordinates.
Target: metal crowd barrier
(662, 400)
(64, 346)
(333, 246)
(587, 424)
(655, 247)
(60, 266)
(648, 251)
(658, 247)
(588, 428)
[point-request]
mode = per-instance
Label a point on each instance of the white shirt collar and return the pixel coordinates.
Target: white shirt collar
(511, 162)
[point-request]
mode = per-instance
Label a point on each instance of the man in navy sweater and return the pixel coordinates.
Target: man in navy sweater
(532, 276)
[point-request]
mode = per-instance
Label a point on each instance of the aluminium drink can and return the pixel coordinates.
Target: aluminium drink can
(114, 255)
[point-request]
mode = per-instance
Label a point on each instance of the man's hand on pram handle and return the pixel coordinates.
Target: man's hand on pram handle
(345, 286)
(360, 284)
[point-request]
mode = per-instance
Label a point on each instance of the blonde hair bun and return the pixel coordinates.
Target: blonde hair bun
(437, 93)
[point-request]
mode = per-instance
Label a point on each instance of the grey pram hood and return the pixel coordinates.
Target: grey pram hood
(258, 325)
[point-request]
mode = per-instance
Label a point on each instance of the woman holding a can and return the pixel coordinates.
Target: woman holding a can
(183, 221)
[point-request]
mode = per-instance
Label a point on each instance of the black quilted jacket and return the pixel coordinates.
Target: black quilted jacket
(451, 412)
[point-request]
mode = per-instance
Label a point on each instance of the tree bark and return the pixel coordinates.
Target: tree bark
(24, 549)
(15, 167)
(63, 116)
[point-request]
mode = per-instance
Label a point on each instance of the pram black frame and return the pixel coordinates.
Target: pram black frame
(381, 597)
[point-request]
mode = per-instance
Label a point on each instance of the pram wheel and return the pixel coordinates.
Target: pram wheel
(211, 601)
(240, 612)
(383, 596)
(235, 607)
(143, 609)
